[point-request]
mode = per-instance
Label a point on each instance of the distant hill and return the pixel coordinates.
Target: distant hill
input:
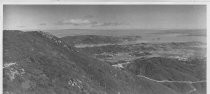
(38, 63)
(98, 39)
(160, 68)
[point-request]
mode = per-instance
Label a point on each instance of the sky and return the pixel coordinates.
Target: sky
(52, 17)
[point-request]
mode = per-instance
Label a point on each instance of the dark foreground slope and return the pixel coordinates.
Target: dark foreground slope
(39, 63)
(173, 73)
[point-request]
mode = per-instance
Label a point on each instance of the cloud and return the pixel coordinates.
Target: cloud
(87, 22)
(88, 16)
(74, 22)
(42, 24)
(109, 24)
(21, 26)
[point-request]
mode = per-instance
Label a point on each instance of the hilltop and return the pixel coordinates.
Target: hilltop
(173, 73)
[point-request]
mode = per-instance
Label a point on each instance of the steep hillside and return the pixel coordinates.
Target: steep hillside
(39, 63)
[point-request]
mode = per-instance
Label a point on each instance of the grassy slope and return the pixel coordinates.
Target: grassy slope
(160, 68)
(46, 65)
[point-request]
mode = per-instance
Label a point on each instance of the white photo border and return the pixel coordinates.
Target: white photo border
(2, 3)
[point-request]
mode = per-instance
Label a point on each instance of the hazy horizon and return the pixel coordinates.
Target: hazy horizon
(54, 17)
(147, 35)
(164, 22)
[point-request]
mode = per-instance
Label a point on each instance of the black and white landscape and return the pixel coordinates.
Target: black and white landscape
(104, 49)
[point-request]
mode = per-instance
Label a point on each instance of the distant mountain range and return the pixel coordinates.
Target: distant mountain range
(39, 63)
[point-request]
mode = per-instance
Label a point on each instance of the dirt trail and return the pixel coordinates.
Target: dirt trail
(167, 81)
